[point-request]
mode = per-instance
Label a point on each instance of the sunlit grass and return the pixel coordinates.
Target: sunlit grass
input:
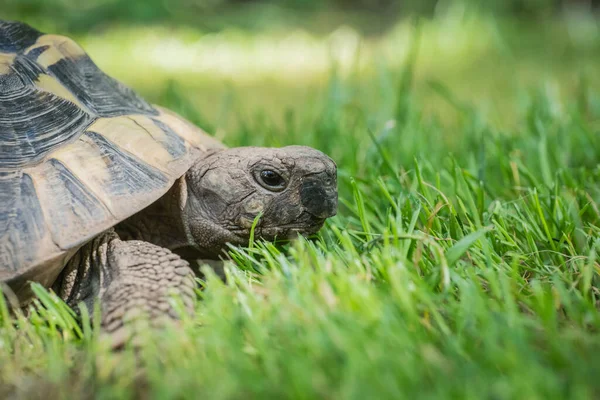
(463, 262)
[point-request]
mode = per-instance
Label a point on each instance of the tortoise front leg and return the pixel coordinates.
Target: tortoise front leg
(143, 277)
(128, 278)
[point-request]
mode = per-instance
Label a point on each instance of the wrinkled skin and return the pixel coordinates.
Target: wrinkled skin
(227, 191)
(135, 267)
(218, 199)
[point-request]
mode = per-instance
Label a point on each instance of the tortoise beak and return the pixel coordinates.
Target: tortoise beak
(319, 196)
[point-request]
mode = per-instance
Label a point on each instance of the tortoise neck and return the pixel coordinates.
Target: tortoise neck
(162, 222)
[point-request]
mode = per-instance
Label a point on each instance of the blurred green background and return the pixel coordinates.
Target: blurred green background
(232, 63)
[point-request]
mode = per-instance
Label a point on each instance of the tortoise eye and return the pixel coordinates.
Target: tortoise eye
(271, 180)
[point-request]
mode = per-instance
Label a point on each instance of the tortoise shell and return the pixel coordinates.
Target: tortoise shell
(79, 152)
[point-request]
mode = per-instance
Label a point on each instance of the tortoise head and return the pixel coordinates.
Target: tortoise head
(292, 190)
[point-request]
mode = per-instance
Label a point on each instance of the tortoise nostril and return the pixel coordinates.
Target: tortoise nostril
(319, 196)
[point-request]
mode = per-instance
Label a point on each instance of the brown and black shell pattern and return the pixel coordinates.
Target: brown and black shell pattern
(79, 152)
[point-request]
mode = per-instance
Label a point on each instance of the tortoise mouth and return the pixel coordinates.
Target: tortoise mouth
(281, 232)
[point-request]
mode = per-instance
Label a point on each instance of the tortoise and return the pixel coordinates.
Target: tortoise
(107, 198)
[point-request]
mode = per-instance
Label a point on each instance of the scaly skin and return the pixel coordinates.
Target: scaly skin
(143, 278)
(130, 279)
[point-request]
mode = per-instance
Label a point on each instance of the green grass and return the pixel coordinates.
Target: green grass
(463, 262)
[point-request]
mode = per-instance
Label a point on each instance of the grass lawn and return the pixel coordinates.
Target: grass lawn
(463, 262)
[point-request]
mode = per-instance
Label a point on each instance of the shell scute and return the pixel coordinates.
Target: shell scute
(128, 175)
(68, 62)
(69, 206)
(16, 36)
(142, 137)
(21, 220)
